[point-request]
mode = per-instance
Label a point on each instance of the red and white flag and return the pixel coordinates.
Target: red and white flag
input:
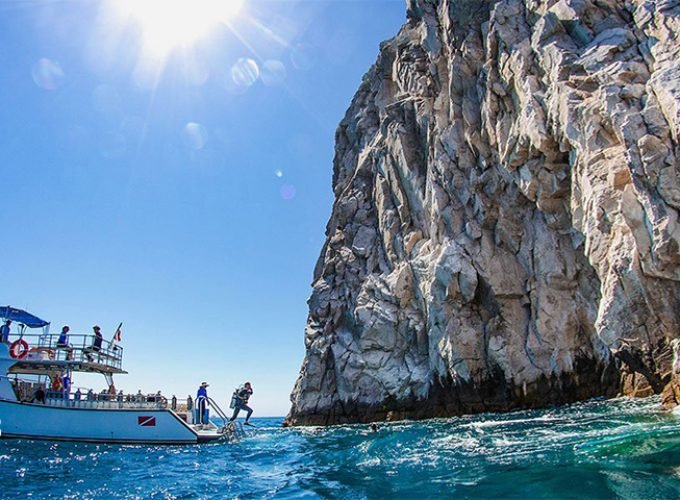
(118, 335)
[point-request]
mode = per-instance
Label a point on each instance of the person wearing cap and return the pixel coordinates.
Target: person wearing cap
(241, 403)
(202, 402)
(4, 331)
(97, 344)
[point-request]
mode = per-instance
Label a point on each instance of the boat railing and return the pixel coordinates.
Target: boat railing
(92, 400)
(36, 392)
(80, 348)
(104, 404)
(220, 413)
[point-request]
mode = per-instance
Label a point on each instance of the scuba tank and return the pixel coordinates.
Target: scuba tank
(234, 398)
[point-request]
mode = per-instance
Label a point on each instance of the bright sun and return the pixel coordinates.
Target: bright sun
(168, 24)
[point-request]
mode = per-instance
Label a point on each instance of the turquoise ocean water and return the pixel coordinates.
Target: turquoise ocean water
(614, 449)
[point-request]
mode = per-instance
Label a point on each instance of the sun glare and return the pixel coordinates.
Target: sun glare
(168, 24)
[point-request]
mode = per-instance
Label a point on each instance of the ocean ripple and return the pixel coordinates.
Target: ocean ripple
(622, 448)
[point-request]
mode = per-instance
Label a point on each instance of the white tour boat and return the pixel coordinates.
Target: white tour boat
(35, 405)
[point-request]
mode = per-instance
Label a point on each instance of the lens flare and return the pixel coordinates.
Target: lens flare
(47, 74)
(245, 72)
(195, 135)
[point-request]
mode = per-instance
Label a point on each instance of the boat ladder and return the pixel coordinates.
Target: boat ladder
(231, 430)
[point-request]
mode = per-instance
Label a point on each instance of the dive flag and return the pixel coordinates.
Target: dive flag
(146, 421)
(118, 335)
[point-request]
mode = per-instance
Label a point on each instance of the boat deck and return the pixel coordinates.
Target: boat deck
(82, 353)
(44, 366)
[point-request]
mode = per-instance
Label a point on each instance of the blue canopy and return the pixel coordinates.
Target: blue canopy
(22, 317)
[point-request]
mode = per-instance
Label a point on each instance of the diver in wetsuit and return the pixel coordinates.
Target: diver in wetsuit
(241, 403)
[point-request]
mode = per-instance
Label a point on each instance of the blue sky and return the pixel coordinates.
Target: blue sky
(185, 193)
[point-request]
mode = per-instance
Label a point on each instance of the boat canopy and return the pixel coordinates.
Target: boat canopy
(23, 317)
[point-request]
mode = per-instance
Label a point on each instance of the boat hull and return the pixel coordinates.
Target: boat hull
(125, 426)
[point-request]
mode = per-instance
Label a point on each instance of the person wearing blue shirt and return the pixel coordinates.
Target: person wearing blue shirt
(62, 341)
(202, 402)
(66, 385)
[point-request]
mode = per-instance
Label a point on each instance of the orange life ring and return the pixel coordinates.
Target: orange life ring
(18, 349)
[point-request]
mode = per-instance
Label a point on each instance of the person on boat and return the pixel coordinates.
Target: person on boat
(4, 331)
(112, 392)
(97, 342)
(242, 396)
(66, 385)
(121, 396)
(139, 397)
(62, 341)
(56, 387)
(78, 395)
(90, 395)
(202, 402)
(39, 395)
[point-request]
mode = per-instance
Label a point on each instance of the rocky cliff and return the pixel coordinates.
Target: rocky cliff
(505, 229)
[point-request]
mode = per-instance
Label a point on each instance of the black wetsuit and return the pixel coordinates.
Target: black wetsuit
(242, 404)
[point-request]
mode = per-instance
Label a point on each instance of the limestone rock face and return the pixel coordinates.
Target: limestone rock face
(505, 230)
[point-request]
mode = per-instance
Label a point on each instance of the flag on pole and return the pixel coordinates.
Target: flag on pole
(118, 335)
